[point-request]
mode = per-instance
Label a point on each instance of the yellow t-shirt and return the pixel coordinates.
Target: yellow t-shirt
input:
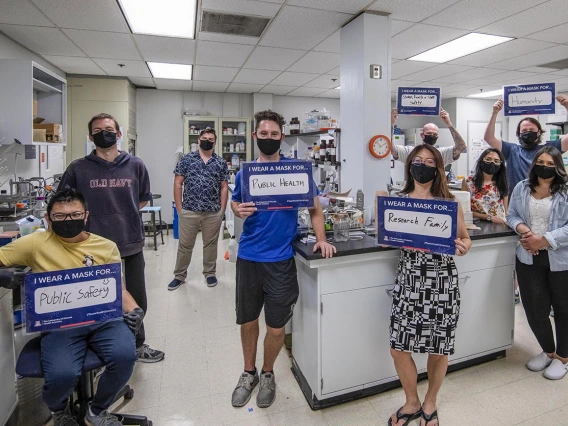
(45, 252)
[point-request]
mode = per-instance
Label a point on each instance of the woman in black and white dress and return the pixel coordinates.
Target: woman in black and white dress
(426, 298)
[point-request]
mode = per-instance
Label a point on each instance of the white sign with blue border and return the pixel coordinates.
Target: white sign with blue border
(411, 223)
(68, 298)
(419, 100)
(279, 185)
(529, 99)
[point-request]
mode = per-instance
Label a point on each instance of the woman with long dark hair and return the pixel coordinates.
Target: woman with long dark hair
(539, 213)
(426, 297)
(488, 187)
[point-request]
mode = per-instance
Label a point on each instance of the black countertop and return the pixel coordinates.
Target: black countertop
(369, 244)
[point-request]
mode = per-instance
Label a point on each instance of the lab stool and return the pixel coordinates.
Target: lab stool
(151, 224)
(161, 222)
(29, 365)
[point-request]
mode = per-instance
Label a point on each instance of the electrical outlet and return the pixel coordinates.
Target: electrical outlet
(376, 71)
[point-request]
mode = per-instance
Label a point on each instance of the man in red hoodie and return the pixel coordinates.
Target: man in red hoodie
(116, 186)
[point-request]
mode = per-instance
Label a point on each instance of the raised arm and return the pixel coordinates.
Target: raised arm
(563, 100)
(459, 143)
(489, 136)
(394, 116)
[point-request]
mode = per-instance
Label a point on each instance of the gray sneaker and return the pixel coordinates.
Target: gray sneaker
(103, 419)
(64, 418)
(243, 391)
(267, 392)
(146, 354)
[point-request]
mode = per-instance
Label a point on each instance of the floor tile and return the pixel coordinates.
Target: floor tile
(304, 416)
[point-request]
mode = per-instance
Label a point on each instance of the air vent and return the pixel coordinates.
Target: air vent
(558, 65)
(241, 25)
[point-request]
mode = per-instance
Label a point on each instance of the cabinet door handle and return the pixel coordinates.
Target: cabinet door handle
(464, 279)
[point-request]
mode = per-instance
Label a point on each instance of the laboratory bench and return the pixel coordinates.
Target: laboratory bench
(340, 327)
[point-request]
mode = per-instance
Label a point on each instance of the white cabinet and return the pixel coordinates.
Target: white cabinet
(8, 395)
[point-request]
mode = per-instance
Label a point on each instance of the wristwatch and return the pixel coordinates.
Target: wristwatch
(489, 218)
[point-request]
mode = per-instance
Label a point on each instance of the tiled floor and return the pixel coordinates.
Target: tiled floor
(195, 325)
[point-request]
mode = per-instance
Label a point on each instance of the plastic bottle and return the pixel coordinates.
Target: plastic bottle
(360, 203)
(327, 187)
(40, 210)
(233, 250)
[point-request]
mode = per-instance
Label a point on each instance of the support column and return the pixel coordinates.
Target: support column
(365, 104)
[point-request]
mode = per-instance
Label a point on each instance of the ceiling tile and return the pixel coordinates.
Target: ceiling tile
(504, 51)
(222, 54)
(273, 58)
(255, 76)
(75, 65)
(296, 27)
(419, 38)
(540, 70)
(395, 84)
(472, 14)
(20, 12)
(219, 74)
(557, 34)
(166, 49)
(465, 76)
(325, 82)
(274, 1)
(402, 68)
(277, 90)
(169, 84)
(458, 87)
(130, 69)
(316, 62)
(226, 38)
(351, 6)
(244, 88)
(561, 72)
(546, 78)
(97, 44)
(333, 93)
(208, 86)
(293, 79)
(509, 77)
(411, 10)
(399, 26)
(330, 44)
(536, 58)
(143, 81)
(306, 91)
(437, 71)
(242, 7)
(334, 71)
(540, 17)
(99, 15)
(42, 40)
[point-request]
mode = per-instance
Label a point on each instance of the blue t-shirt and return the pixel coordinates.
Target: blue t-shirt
(267, 235)
(519, 161)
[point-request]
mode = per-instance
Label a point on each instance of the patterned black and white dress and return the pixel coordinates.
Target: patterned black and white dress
(426, 304)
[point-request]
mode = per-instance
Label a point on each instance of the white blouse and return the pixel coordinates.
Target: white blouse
(539, 211)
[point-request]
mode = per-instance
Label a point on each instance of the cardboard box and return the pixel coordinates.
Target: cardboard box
(34, 108)
(50, 128)
(39, 135)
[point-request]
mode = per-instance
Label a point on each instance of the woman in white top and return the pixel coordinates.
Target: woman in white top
(538, 211)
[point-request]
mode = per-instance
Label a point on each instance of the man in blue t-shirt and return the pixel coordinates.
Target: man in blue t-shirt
(520, 156)
(266, 272)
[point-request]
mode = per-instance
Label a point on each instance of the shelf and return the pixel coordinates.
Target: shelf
(40, 86)
(49, 144)
(316, 133)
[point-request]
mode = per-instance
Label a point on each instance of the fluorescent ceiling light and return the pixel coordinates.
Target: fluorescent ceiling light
(466, 45)
(174, 71)
(169, 18)
(338, 87)
(489, 94)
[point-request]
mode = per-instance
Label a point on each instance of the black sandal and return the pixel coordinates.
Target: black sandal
(407, 417)
(431, 417)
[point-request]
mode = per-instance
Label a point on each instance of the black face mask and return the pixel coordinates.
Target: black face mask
(104, 139)
(430, 139)
(544, 172)
(68, 228)
(268, 146)
(490, 168)
(205, 145)
(422, 173)
(529, 140)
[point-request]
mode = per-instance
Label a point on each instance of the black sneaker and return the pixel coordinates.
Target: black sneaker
(146, 354)
(174, 284)
(211, 281)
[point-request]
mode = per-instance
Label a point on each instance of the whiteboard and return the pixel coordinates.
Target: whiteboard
(475, 143)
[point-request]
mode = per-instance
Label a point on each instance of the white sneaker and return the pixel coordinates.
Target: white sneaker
(556, 371)
(539, 362)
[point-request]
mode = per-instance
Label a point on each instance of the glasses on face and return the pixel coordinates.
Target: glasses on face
(58, 217)
(211, 139)
(545, 163)
(495, 161)
(430, 162)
